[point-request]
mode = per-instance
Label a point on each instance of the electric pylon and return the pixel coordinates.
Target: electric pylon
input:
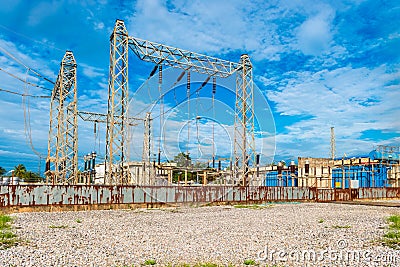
(116, 171)
(62, 153)
(244, 144)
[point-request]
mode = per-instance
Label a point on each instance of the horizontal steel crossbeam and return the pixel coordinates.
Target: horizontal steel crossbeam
(179, 58)
(98, 117)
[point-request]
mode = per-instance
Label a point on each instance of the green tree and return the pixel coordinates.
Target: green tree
(183, 160)
(20, 171)
(2, 171)
(31, 177)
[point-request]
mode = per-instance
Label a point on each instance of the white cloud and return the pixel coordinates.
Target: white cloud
(43, 10)
(98, 25)
(202, 27)
(315, 34)
(91, 72)
(351, 100)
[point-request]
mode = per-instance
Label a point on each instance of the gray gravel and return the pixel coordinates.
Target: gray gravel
(222, 235)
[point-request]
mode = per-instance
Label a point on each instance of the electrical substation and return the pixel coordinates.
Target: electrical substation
(158, 178)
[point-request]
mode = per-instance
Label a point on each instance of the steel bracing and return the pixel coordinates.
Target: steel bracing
(116, 171)
(179, 58)
(116, 156)
(244, 145)
(62, 155)
(98, 117)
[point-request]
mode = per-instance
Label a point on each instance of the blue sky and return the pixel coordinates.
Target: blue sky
(317, 63)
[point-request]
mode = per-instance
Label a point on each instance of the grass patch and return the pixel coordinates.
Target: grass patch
(7, 237)
(5, 221)
(200, 264)
(78, 220)
(150, 262)
(58, 226)
(341, 226)
(394, 222)
(249, 262)
(321, 221)
(254, 206)
(392, 238)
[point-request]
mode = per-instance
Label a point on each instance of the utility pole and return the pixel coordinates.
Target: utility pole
(333, 143)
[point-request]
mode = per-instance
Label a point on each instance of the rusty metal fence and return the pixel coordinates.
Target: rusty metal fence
(53, 195)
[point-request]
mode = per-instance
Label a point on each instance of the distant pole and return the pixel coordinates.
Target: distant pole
(333, 143)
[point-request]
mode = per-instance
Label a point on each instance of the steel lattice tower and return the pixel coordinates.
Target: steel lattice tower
(244, 144)
(62, 154)
(117, 114)
(117, 171)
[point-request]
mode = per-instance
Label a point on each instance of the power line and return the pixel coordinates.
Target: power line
(187, 97)
(162, 95)
(27, 95)
(21, 63)
(27, 121)
(29, 38)
(24, 81)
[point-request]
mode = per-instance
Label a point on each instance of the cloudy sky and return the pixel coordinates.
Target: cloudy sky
(317, 64)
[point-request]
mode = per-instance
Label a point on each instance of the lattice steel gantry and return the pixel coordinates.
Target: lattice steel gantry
(244, 147)
(62, 154)
(116, 171)
(244, 144)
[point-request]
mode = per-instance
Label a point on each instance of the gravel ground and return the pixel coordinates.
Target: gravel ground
(222, 235)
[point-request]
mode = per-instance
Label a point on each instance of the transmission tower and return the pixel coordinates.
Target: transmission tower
(116, 172)
(62, 153)
(244, 145)
(333, 143)
(244, 148)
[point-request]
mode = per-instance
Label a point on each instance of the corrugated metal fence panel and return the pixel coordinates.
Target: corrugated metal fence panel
(392, 192)
(34, 195)
(4, 195)
(138, 195)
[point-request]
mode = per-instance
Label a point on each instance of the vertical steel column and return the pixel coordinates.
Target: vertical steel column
(244, 144)
(116, 167)
(62, 153)
(146, 155)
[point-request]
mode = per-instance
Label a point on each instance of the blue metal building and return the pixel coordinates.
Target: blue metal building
(283, 179)
(368, 175)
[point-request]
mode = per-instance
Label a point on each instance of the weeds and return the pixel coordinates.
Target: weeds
(7, 237)
(58, 226)
(249, 262)
(321, 221)
(204, 264)
(254, 206)
(341, 226)
(392, 238)
(394, 222)
(78, 220)
(149, 262)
